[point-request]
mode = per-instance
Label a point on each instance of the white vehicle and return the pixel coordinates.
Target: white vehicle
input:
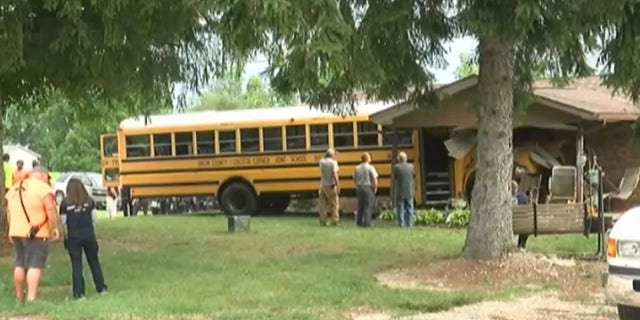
(92, 182)
(622, 280)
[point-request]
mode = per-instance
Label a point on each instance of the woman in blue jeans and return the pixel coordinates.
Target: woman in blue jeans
(78, 214)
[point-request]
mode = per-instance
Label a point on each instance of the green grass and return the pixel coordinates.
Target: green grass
(286, 268)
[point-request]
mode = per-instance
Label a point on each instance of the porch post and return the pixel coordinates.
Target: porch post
(394, 159)
(580, 165)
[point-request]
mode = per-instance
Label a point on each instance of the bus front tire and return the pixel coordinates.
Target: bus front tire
(238, 200)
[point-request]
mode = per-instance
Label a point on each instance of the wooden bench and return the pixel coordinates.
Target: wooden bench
(551, 218)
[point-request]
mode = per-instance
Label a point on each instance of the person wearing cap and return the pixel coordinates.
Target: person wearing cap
(32, 224)
(328, 203)
(366, 179)
(404, 190)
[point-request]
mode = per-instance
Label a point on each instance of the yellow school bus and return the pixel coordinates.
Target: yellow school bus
(253, 160)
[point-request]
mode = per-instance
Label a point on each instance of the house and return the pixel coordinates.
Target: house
(18, 152)
(584, 118)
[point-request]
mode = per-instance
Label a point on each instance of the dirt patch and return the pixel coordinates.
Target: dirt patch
(537, 307)
(579, 295)
(577, 279)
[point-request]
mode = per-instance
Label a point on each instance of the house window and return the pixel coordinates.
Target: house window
(204, 140)
(162, 144)
(367, 134)
(272, 138)
(296, 138)
(184, 143)
(138, 146)
(227, 141)
(319, 136)
(249, 140)
(343, 135)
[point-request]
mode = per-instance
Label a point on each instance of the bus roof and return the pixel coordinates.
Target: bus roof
(241, 116)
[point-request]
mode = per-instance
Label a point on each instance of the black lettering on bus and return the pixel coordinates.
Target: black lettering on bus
(262, 160)
(299, 159)
(280, 159)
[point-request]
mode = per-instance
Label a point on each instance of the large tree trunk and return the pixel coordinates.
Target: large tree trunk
(490, 233)
(4, 228)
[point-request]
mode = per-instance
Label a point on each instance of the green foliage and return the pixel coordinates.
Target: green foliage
(388, 215)
(429, 217)
(61, 130)
(107, 48)
(468, 66)
(458, 218)
(228, 94)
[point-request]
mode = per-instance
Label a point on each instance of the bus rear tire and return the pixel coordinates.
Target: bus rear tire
(238, 199)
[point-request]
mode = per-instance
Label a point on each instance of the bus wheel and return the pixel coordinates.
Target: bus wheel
(238, 199)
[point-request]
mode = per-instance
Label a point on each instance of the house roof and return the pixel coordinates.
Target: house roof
(587, 98)
(14, 147)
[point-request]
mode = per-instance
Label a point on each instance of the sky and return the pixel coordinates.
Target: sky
(456, 47)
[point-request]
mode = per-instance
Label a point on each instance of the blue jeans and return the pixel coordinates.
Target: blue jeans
(404, 210)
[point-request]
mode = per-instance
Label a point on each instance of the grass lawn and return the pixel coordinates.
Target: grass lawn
(286, 268)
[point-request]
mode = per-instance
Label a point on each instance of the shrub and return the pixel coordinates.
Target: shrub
(458, 218)
(388, 214)
(429, 217)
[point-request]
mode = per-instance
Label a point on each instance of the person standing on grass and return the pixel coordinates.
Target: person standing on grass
(78, 214)
(32, 224)
(112, 201)
(8, 172)
(404, 190)
(21, 173)
(366, 179)
(328, 203)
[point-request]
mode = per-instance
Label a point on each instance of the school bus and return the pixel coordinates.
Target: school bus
(253, 160)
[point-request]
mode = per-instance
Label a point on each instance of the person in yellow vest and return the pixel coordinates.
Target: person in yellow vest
(8, 172)
(33, 222)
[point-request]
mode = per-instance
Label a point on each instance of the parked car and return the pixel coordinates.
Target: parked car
(91, 180)
(622, 280)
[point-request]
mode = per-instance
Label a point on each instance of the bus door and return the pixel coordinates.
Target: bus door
(110, 160)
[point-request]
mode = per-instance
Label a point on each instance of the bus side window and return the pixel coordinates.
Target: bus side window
(184, 143)
(343, 135)
(404, 137)
(319, 136)
(205, 142)
(272, 138)
(296, 137)
(227, 141)
(138, 146)
(162, 144)
(367, 134)
(249, 140)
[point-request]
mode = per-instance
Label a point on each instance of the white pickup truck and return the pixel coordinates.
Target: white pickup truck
(622, 280)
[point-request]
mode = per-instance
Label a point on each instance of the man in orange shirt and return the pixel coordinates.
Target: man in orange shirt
(32, 223)
(21, 173)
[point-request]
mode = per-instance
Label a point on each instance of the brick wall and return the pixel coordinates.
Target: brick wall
(613, 144)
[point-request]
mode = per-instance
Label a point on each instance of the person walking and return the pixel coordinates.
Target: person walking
(78, 214)
(328, 203)
(404, 190)
(112, 201)
(366, 179)
(32, 224)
